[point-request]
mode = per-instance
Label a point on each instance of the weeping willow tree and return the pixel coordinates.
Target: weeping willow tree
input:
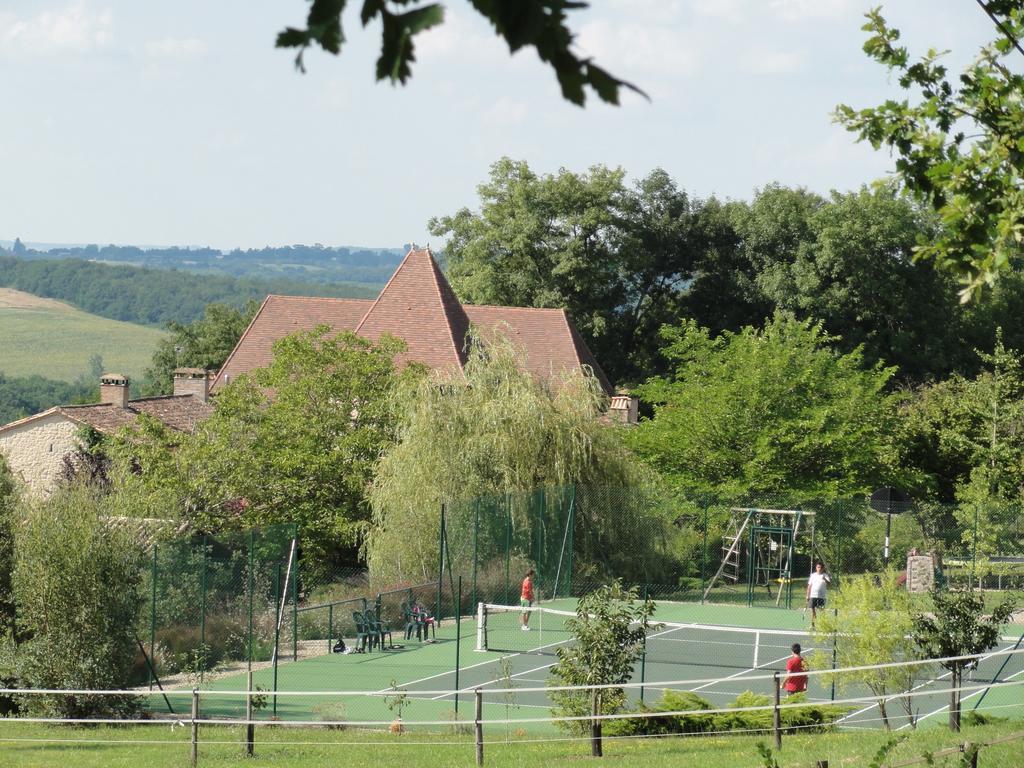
(493, 429)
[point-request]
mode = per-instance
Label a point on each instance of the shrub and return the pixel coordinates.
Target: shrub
(76, 592)
(811, 717)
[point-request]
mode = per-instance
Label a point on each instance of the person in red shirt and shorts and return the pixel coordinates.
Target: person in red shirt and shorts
(795, 682)
(526, 598)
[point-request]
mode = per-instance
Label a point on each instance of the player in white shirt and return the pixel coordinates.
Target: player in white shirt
(817, 590)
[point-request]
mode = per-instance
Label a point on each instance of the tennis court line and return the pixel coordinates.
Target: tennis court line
(965, 698)
(739, 674)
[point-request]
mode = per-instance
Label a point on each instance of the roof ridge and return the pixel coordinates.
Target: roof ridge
(507, 306)
(315, 298)
(440, 279)
(384, 289)
(238, 343)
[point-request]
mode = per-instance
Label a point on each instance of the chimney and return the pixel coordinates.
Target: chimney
(114, 389)
(624, 408)
(193, 381)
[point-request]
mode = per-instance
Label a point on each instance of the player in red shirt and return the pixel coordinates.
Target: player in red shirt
(795, 682)
(526, 598)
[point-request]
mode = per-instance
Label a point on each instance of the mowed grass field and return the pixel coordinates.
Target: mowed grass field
(160, 746)
(55, 340)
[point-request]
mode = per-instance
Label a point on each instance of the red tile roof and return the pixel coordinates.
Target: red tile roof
(280, 316)
(419, 306)
(549, 337)
(179, 412)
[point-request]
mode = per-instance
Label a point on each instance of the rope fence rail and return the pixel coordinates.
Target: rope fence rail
(482, 717)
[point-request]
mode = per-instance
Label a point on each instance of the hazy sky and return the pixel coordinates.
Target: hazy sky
(179, 123)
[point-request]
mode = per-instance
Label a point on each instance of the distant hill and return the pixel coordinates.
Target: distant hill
(54, 340)
(316, 263)
(150, 296)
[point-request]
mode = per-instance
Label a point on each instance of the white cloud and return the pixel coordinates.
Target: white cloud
(504, 113)
(773, 62)
(732, 11)
(654, 11)
(802, 10)
(75, 28)
(639, 48)
(175, 48)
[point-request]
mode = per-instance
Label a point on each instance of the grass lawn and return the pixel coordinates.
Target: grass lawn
(72, 747)
(55, 340)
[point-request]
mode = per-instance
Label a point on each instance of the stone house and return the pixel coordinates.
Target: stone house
(35, 447)
(417, 305)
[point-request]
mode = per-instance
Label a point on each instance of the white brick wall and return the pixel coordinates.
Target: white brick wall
(34, 450)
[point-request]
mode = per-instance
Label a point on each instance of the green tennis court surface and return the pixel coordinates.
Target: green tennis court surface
(744, 642)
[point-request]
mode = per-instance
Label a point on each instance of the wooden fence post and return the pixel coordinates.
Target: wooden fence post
(595, 724)
(194, 753)
(478, 718)
(971, 751)
(250, 726)
(777, 714)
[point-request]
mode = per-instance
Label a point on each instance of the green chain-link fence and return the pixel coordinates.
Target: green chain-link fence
(217, 600)
(754, 551)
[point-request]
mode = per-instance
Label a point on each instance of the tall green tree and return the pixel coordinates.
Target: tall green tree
(494, 430)
(958, 143)
(848, 261)
(618, 258)
(768, 411)
(296, 441)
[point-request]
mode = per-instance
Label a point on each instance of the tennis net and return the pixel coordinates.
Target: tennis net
(500, 628)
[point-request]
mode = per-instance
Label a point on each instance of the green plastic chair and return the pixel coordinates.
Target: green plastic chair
(364, 635)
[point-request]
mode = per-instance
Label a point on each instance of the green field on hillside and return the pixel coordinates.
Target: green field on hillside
(55, 340)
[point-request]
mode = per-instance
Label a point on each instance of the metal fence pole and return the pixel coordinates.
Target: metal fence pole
(508, 546)
(777, 714)
(194, 751)
(202, 613)
(152, 620)
(478, 725)
(295, 600)
(458, 641)
(572, 532)
(704, 554)
(440, 563)
(330, 626)
(974, 544)
(643, 658)
(250, 726)
(252, 588)
(277, 629)
(476, 542)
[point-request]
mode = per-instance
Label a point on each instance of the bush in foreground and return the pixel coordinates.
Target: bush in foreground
(76, 593)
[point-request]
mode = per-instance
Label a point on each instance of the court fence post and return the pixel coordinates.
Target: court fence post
(777, 714)
(250, 726)
(595, 724)
(643, 656)
(478, 724)
(194, 749)
(440, 563)
(458, 642)
(330, 627)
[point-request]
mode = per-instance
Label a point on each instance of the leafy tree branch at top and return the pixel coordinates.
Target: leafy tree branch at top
(537, 24)
(958, 143)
